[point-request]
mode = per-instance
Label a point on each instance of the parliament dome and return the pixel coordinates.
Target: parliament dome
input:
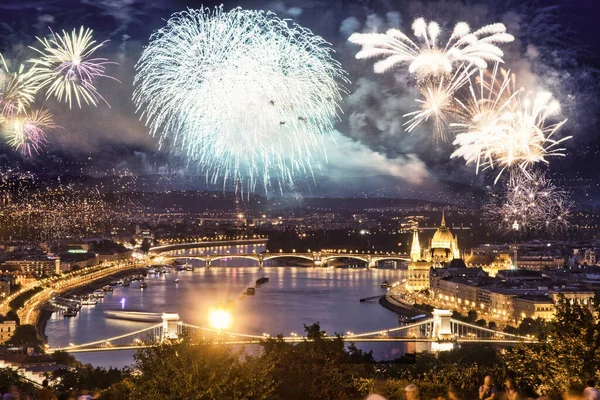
(442, 238)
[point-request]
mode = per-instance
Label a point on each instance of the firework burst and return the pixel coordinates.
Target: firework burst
(507, 128)
(17, 90)
(65, 69)
(438, 103)
(26, 133)
(430, 58)
(532, 201)
(243, 94)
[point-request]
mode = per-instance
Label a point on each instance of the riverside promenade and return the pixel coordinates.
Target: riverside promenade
(51, 287)
(393, 300)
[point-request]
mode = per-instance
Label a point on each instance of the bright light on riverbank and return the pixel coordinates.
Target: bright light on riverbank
(219, 319)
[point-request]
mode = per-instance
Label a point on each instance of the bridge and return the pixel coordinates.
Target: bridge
(441, 329)
(319, 259)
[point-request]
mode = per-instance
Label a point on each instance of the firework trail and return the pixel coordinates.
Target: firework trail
(65, 69)
(531, 200)
(507, 128)
(429, 59)
(26, 133)
(245, 95)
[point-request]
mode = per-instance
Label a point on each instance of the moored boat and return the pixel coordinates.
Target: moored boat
(98, 293)
(144, 285)
(89, 301)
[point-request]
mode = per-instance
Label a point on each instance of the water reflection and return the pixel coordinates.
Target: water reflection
(293, 296)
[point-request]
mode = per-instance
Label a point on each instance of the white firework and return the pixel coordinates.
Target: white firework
(438, 103)
(244, 94)
(533, 202)
(430, 58)
(65, 67)
(17, 90)
(507, 128)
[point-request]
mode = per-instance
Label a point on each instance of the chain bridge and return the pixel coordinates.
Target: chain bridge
(440, 329)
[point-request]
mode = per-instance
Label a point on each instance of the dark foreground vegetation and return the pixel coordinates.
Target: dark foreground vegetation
(322, 367)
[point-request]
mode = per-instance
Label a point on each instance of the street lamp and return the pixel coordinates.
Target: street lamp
(515, 227)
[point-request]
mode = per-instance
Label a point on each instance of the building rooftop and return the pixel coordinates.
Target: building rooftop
(536, 298)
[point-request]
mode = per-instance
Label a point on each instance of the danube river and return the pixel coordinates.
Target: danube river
(294, 295)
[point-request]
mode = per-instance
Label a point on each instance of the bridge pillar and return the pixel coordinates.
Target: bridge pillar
(261, 261)
(170, 326)
(372, 262)
(442, 329)
(207, 262)
(317, 262)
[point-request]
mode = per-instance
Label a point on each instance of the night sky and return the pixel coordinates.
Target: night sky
(556, 48)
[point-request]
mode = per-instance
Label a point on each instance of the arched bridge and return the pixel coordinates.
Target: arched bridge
(440, 329)
(318, 258)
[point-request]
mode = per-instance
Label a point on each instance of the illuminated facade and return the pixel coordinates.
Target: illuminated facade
(443, 247)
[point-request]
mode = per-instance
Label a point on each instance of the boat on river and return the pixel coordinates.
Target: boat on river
(250, 291)
(70, 313)
(99, 294)
(262, 280)
(89, 301)
(144, 285)
(138, 316)
(385, 285)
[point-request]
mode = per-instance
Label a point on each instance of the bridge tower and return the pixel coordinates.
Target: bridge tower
(207, 262)
(442, 328)
(171, 326)
(261, 261)
(317, 259)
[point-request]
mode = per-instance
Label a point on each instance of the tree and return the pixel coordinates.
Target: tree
(145, 246)
(492, 325)
(26, 336)
(472, 316)
(568, 352)
(317, 368)
(198, 370)
(87, 377)
(64, 358)
(530, 326)
(9, 377)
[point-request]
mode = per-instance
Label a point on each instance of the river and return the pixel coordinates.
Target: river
(294, 296)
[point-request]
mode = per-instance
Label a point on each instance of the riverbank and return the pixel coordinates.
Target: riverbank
(401, 308)
(45, 313)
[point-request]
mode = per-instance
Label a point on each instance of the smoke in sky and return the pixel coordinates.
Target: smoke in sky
(371, 138)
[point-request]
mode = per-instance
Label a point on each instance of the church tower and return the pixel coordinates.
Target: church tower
(415, 250)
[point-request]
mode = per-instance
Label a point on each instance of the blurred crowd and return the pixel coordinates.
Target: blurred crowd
(489, 391)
